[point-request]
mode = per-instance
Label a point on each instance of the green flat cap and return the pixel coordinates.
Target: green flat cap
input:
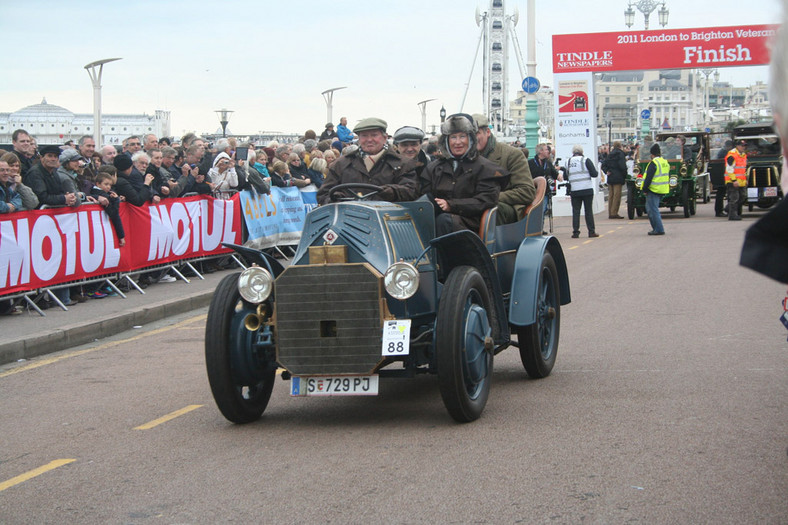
(481, 120)
(370, 123)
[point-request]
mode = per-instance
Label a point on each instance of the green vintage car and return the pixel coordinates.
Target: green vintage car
(689, 177)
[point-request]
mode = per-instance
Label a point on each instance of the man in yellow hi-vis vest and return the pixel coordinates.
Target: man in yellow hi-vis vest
(736, 178)
(655, 185)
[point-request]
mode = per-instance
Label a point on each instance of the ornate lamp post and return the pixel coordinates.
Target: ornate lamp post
(646, 7)
(95, 69)
(224, 118)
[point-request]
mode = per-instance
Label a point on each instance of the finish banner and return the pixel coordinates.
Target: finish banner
(47, 247)
(663, 49)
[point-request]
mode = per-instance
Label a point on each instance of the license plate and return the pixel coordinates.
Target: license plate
(334, 386)
(770, 191)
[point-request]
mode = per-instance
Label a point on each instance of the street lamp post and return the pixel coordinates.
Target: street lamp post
(224, 118)
(707, 73)
(328, 95)
(646, 7)
(95, 69)
(423, 108)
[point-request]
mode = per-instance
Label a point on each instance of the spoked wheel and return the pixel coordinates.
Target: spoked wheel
(241, 380)
(464, 344)
(539, 341)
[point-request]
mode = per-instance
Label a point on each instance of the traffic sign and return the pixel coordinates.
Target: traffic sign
(645, 114)
(531, 85)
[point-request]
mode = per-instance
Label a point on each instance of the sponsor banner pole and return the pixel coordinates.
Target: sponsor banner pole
(575, 124)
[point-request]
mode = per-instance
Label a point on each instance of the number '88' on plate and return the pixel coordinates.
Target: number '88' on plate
(396, 337)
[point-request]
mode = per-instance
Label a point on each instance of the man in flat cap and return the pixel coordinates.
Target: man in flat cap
(373, 163)
(521, 190)
(407, 141)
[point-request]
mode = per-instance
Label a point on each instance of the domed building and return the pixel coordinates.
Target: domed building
(51, 124)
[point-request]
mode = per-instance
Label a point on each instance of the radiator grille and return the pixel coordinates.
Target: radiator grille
(328, 319)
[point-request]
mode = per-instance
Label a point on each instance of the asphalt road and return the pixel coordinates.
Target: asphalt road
(667, 405)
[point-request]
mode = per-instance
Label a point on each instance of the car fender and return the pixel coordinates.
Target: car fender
(525, 281)
(466, 248)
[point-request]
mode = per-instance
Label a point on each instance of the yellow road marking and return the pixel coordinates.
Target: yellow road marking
(168, 417)
(573, 247)
(611, 231)
(52, 465)
(104, 346)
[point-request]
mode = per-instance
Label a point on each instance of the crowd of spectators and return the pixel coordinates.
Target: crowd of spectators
(145, 170)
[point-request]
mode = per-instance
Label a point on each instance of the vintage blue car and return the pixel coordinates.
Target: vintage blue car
(372, 293)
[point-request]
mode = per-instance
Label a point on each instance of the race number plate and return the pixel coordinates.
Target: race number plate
(396, 337)
(752, 194)
(770, 191)
(334, 386)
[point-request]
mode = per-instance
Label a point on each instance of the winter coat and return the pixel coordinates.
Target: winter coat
(29, 199)
(616, 167)
(521, 190)
(471, 188)
(394, 174)
(46, 186)
(9, 196)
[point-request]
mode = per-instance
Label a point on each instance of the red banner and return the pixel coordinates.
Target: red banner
(663, 49)
(47, 247)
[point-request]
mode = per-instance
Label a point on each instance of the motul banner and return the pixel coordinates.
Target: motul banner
(663, 49)
(46, 247)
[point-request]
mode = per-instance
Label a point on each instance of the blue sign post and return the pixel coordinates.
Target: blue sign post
(645, 128)
(531, 85)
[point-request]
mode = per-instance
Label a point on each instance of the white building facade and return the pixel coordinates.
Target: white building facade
(51, 124)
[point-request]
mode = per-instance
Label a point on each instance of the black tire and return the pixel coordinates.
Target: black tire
(685, 199)
(539, 341)
(241, 395)
(750, 206)
(639, 212)
(462, 326)
(631, 201)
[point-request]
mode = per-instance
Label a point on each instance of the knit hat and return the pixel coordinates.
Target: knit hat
(122, 162)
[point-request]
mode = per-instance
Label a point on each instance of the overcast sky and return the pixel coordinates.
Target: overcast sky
(269, 61)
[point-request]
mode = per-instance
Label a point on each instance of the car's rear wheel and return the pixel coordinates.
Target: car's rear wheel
(464, 344)
(539, 341)
(630, 201)
(241, 381)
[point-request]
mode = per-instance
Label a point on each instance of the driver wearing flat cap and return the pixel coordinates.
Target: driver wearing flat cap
(373, 163)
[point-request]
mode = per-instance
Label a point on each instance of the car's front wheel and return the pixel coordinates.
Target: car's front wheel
(464, 344)
(539, 341)
(241, 380)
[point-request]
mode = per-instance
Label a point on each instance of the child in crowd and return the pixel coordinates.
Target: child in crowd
(105, 178)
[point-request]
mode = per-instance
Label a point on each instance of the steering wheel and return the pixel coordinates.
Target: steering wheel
(357, 196)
